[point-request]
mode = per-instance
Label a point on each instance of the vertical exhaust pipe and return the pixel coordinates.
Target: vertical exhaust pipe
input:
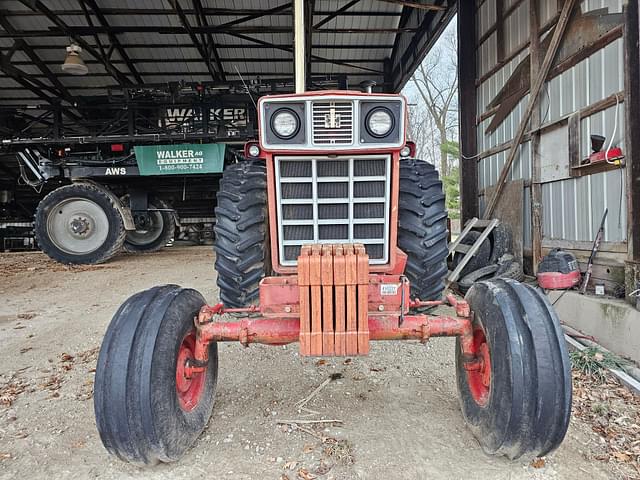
(367, 86)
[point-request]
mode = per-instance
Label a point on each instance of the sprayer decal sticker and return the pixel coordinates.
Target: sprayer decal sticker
(180, 159)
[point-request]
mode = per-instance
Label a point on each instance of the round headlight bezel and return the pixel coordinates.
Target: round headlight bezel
(281, 111)
(368, 120)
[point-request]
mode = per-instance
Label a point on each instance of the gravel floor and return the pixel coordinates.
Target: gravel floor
(399, 408)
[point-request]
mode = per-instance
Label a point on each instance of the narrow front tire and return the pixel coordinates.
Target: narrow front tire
(517, 402)
(147, 410)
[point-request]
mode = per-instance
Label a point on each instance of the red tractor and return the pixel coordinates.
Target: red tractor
(329, 234)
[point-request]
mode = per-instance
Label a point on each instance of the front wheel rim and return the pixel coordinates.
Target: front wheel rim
(189, 388)
(479, 379)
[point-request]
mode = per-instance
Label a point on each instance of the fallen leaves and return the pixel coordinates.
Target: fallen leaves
(290, 465)
(538, 463)
(341, 451)
(39, 262)
(323, 468)
(305, 474)
(9, 391)
(613, 413)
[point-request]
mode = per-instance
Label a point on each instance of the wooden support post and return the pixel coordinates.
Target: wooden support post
(468, 110)
(632, 153)
(558, 33)
(536, 187)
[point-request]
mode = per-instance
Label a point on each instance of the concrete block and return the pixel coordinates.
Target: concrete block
(613, 323)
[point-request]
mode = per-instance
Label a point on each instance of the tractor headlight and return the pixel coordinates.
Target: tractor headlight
(285, 123)
(379, 122)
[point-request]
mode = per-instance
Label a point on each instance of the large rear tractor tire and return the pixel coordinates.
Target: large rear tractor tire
(147, 410)
(79, 224)
(519, 401)
(156, 233)
(241, 234)
(422, 228)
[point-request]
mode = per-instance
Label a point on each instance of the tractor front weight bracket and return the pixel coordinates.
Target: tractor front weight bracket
(284, 329)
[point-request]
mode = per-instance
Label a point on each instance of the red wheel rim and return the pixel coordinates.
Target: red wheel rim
(188, 388)
(479, 378)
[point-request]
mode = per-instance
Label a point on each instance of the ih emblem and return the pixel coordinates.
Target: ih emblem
(332, 119)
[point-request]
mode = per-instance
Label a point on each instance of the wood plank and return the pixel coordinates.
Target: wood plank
(509, 211)
(573, 245)
(462, 248)
(467, 228)
(483, 236)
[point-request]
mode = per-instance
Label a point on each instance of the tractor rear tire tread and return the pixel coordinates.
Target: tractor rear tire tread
(422, 228)
(241, 239)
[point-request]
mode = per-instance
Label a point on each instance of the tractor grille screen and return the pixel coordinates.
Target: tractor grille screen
(342, 199)
(332, 123)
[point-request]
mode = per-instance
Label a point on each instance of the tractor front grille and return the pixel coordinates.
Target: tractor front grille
(342, 199)
(332, 123)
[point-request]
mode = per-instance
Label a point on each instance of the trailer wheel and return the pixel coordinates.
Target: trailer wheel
(147, 410)
(80, 224)
(422, 228)
(157, 234)
(517, 401)
(241, 240)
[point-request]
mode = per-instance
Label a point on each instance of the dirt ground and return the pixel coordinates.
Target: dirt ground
(398, 407)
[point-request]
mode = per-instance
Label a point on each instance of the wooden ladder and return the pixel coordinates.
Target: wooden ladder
(469, 251)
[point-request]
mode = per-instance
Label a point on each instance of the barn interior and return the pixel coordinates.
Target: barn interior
(545, 87)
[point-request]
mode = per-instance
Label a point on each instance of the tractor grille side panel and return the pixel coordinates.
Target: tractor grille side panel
(344, 199)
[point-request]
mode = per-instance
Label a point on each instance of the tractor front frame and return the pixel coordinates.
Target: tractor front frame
(333, 307)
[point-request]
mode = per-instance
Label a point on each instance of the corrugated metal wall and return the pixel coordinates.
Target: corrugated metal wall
(572, 206)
